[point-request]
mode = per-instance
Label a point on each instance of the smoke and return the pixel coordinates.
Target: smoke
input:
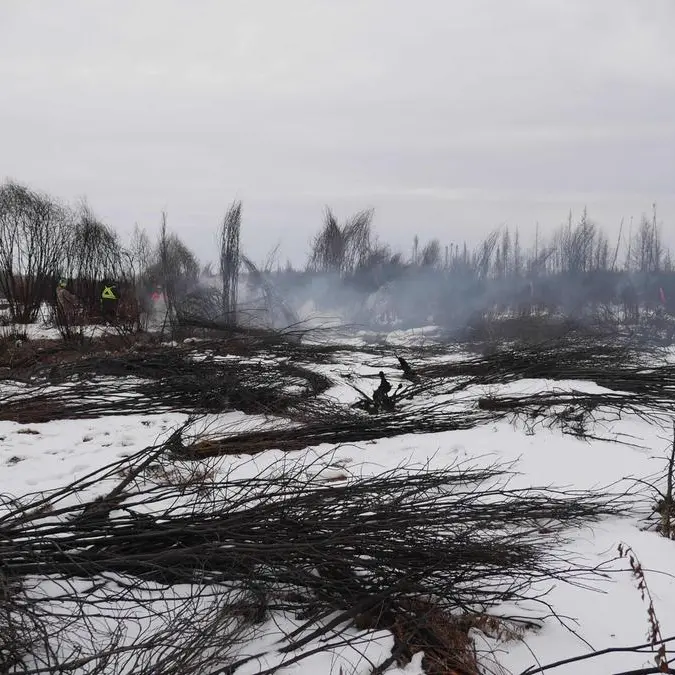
(356, 279)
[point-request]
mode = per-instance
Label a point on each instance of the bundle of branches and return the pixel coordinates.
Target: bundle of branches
(610, 363)
(332, 350)
(573, 411)
(381, 551)
(33, 355)
(19, 362)
(299, 340)
(319, 421)
(35, 359)
(172, 381)
(201, 361)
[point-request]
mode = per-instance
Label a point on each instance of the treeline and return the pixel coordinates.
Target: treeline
(43, 240)
(575, 269)
(573, 248)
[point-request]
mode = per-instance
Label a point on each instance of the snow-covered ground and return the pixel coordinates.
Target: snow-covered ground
(608, 615)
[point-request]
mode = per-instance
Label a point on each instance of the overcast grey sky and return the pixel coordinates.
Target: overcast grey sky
(449, 117)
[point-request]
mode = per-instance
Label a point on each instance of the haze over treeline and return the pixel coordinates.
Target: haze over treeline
(351, 270)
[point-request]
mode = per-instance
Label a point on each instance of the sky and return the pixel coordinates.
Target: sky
(449, 118)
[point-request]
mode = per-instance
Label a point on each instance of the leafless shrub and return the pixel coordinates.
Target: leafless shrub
(654, 636)
(177, 268)
(94, 251)
(33, 240)
(342, 249)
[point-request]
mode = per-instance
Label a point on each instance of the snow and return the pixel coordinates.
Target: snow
(609, 614)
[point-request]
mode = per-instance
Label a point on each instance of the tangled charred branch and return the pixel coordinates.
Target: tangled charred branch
(616, 365)
(318, 422)
(573, 411)
(276, 308)
(571, 357)
(297, 342)
(381, 400)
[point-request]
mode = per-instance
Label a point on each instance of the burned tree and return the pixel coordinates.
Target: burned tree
(342, 249)
(229, 262)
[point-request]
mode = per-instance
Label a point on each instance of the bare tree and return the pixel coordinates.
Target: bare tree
(33, 231)
(93, 254)
(358, 238)
(431, 254)
(230, 261)
(517, 255)
(140, 253)
(94, 250)
(602, 252)
(342, 249)
(646, 251)
(657, 249)
(574, 245)
(328, 246)
(483, 256)
(176, 266)
(505, 256)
